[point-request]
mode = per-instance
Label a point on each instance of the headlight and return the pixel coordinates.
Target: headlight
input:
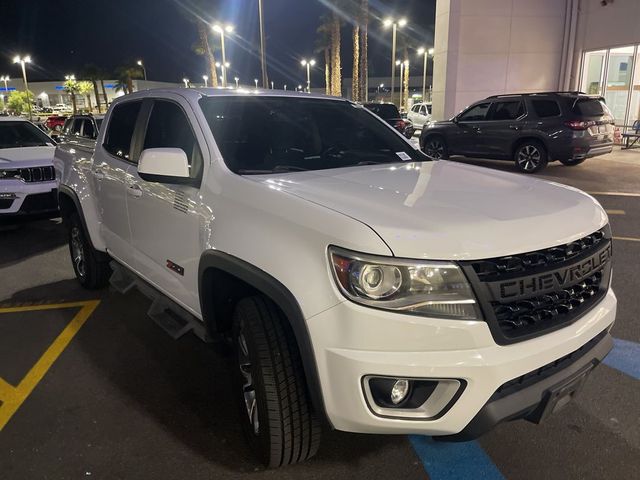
(437, 289)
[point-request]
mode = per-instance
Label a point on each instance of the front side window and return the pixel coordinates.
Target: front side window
(88, 131)
(21, 134)
(506, 110)
(77, 127)
(476, 113)
(169, 127)
(120, 129)
(259, 135)
(68, 124)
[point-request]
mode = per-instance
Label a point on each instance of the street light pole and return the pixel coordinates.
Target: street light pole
(256, 82)
(308, 64)
(22, 61)
(237, 80)
(389, 22)
(221, 30)
(426, 53)
(263, 47)
(186, 82)
(206, 81)
(144, 70)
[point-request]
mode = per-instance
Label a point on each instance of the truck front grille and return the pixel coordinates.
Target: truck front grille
(526, 295)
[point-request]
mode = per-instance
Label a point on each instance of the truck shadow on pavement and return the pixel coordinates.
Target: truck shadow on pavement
(165, 390)
(19, 241)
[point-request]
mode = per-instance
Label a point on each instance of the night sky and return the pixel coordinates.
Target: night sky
(62, 36)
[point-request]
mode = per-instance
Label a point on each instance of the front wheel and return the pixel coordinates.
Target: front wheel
(530, 157)
(276, 413)
(572, 162)
(435, 147)
(91, 269)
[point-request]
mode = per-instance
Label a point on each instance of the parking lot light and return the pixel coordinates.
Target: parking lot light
(390, 22)
(23, 61)
(206, 80)
(237, 81)
(186, 82)
(256, 82)
(308, 64)
(144, 70)
(426, 52)
(221, 30)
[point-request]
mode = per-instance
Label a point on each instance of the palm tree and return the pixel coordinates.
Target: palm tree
(84, 88)
(323, 45)
(355, 83)
(72, 88)
(364, 50)
(336, 66)
(203, 47)
(92, 73)
(125, 76)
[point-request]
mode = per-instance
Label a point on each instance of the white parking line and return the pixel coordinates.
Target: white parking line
(628, 239)
(616, 212)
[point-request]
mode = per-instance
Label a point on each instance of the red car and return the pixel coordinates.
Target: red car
(55, 122)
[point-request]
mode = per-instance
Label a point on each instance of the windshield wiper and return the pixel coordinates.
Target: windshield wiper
(276, 169)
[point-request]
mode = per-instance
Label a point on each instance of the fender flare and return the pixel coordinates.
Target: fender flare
(279, 294)
(64, 190)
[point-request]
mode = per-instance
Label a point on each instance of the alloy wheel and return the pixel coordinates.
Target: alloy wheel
(529, 158)
(435, 148)
(248, 388)
(77, 251)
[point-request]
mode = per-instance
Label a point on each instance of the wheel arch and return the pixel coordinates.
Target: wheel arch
(528, 138)
(70, 203)
(223, 279)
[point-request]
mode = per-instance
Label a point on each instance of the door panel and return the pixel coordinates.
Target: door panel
(505, 122)
(164, 217)
(470, 123)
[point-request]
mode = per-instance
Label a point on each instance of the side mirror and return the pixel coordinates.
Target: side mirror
(164, 165)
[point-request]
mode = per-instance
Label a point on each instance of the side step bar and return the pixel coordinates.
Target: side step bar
(166, 313)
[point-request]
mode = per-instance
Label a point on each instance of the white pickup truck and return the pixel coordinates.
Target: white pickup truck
(362, 283)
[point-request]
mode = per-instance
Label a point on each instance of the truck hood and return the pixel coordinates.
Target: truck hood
(26, 157)
(449, 211)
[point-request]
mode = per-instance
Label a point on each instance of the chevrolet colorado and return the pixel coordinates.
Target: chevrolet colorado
(363, 285)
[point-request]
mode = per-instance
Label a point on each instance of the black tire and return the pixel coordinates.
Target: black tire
(572, 162)
(90, 266)
(530, 156)
(276, 412)
(435, 146)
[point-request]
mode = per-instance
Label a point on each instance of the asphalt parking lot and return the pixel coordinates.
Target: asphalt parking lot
(91, 388)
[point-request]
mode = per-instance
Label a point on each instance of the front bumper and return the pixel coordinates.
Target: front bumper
(352, 342)
(20, 199)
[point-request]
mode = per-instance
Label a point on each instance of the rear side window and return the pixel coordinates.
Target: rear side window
(384, 110)
(589, 107)
(507, 110)
(88, 131)
(120, 130)
(546, 108)
(169, 127)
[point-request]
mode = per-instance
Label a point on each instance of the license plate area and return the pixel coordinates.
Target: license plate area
(558, 396)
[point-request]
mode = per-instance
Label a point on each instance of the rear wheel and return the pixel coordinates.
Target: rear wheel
(530, 157)
(436, 147)
(276, 413)
(90, 266)
(572, 162)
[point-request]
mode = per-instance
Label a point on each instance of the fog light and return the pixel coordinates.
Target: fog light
(399, 391)
(8, 196)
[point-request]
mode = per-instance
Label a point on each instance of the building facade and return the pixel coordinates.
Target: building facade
(489, 47)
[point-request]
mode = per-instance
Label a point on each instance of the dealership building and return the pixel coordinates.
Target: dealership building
(489, 47)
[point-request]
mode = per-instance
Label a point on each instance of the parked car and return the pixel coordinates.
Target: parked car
(360, 282)
(61, 108)
(420, 115)
(28, 185)
(531, 129)
(81, 131)
(55, 122)
(390, 114)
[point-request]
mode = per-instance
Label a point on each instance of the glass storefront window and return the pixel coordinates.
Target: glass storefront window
(634, 109)
(592, 74)
(620, 67)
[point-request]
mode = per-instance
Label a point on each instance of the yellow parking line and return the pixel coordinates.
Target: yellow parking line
(13, 397)
(628, 239)
(616, 212)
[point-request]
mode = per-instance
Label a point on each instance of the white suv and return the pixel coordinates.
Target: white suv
(360, 282)
(28, 185)
(420, 115)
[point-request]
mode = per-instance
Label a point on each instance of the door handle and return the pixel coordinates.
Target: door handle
(98, 174)
(134, 190)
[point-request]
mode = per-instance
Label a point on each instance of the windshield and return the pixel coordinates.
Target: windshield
(258, 135)
(22, 134)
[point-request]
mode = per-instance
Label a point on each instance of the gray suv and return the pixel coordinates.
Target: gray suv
(531, 129)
